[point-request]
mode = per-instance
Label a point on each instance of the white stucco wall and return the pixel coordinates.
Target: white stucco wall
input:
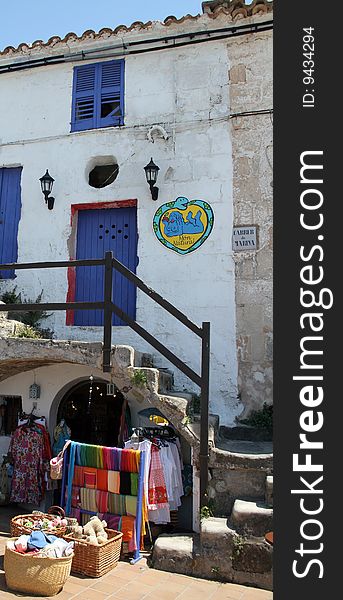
(185, 90)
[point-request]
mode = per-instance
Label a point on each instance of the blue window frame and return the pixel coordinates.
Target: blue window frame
(10, 211)
(98, 95)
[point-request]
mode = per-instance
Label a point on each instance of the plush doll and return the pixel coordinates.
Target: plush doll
(77, 531)
(95, 532)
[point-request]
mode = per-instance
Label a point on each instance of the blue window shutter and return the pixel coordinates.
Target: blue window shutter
(110, 106)
(84, 98)
(10, 210)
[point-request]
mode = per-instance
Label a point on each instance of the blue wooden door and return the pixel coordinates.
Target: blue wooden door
(99, 231)
(10, 210)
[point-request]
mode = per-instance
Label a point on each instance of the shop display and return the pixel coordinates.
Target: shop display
(163, 471)
(95, 560)
(39, 574)
(100, 480)
(25, 524)
(30, 452)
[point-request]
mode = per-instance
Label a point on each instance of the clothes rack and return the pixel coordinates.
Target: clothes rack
(66, 490)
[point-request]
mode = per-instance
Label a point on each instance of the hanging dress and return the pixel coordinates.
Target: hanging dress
(27, 448)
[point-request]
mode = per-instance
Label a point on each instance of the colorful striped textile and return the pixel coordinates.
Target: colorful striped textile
(88, 499)
(125, 483)
(78, 478)
(103, 457)
(134, 484)
(90, 478)
(102, 480)
(131, 505)
(116, 504)
(113, 484)
(102, 501)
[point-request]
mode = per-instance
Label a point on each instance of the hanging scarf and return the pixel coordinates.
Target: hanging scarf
(157, 488)
(71, 466)
(113, 483)
(125, 483)
(134, 483)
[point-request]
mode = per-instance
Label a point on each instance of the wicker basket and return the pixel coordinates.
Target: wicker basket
(42, 576)
(59, 511)
(95, 561)
(17, 527)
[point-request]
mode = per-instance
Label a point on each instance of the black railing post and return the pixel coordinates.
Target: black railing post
(107, 347)
(204, 410)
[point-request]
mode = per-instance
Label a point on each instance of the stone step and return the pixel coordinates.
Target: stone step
(269, 491)
(218, 553)
(251, 518)
(213, 422)
(245, 432)
(245, 446)
(214, 532)
(181, 394)
(174, 553)
(165, 381)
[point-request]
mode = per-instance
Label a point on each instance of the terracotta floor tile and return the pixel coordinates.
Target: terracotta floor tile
(256, 594)
(63, 595)
(132, 591)
(179, 575)
(187, 595)
(80, 581)
(163, 593)
(173, 586)
(203, 585)
(122, 576)
(153, 579)
(226, 592)
(108, 586)
(91, 595)
(72, 587)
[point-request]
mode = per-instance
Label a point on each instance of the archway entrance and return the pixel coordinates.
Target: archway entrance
(93, 416)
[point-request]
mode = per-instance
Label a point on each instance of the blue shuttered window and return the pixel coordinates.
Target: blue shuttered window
(10, 210)
(98, 95)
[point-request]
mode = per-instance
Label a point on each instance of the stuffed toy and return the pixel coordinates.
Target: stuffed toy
(95, 532)
(77, 531)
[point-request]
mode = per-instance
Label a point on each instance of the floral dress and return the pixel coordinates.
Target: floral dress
(27, 446)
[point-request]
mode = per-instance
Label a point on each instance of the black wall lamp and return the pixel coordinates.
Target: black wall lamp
(47, 183)
(151, 172)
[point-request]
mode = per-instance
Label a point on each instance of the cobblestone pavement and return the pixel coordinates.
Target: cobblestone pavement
(136, 582)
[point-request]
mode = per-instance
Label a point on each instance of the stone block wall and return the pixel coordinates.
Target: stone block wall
(250, 76)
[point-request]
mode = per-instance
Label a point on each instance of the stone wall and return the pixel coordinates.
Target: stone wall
(252, 140)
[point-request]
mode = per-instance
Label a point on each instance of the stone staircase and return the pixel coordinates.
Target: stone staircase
(226, 549)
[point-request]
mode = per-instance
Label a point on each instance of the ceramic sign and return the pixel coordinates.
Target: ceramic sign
(183, 225)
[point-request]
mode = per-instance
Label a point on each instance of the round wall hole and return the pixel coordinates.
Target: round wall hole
(103, 175)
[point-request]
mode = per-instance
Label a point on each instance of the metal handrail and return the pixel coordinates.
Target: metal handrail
(109, 307)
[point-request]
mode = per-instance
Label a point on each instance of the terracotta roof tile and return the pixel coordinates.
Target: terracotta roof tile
(236, 9)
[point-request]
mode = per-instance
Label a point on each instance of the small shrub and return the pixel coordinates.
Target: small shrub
(32, 318)
(11, 297)
(262, 419)
(205, 513)
(238, 545)
(139, 378)
(207, 510)
(25, 331)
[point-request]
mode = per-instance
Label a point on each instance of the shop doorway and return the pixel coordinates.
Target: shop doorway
(93, 416)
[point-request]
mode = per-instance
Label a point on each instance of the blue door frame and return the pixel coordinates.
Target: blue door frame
(98, 231)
